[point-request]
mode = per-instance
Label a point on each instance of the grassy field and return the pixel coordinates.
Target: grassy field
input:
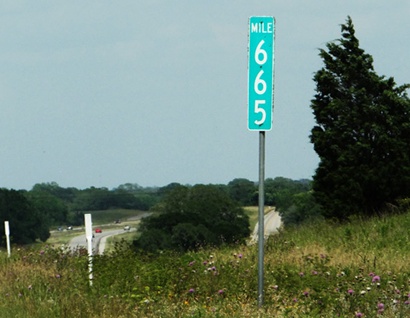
(358, 269)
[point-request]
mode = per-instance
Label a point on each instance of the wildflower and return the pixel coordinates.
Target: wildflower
(205, 262)
(314, 272)
(306, 293)
(42, 252)
(58, 276)
(240, 255)
(350, 291)
(191, 263)
(301, 274)
(30, 287)
(359, 314)
(380, 307)
(363, 292)
(191, 291)
(220, 292)
(371, 274)
(376, 279)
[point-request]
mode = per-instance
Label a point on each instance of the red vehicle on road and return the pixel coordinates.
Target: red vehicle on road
(98, 230)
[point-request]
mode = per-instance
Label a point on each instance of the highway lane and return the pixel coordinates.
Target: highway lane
(272, 222)
(98, 240)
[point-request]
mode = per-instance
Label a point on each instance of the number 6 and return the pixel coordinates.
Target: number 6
(260, 51)
(259, 81)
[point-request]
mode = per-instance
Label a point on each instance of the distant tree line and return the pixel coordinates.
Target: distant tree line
(33, 213)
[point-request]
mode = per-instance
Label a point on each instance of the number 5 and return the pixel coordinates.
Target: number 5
(260, 110)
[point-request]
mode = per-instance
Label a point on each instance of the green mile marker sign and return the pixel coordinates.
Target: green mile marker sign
(260, 73)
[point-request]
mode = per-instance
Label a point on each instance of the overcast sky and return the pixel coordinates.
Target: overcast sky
(101, 93)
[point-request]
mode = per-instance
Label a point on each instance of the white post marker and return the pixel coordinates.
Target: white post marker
(7, 232)
(89, 237)
(261, 32)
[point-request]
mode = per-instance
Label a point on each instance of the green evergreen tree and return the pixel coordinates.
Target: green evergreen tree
(362, 135)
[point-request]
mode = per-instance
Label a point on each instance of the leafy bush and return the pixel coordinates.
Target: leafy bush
(194, 217)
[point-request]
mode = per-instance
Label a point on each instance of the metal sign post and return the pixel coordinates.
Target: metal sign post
(7, 232)
(260, 108)
(261, 217)
(89, 237)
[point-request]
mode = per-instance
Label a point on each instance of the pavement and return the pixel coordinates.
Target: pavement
(272, 223)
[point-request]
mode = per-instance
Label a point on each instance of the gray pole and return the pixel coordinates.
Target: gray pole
(261, 216)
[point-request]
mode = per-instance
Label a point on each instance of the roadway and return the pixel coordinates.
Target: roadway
(272, 222)
(98, 240)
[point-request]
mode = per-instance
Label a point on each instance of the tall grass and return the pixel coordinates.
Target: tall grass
(322, 270)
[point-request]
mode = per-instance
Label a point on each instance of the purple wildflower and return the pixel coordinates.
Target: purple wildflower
(376, 279)
(350, 291)
(359, 314)
(191, 291)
